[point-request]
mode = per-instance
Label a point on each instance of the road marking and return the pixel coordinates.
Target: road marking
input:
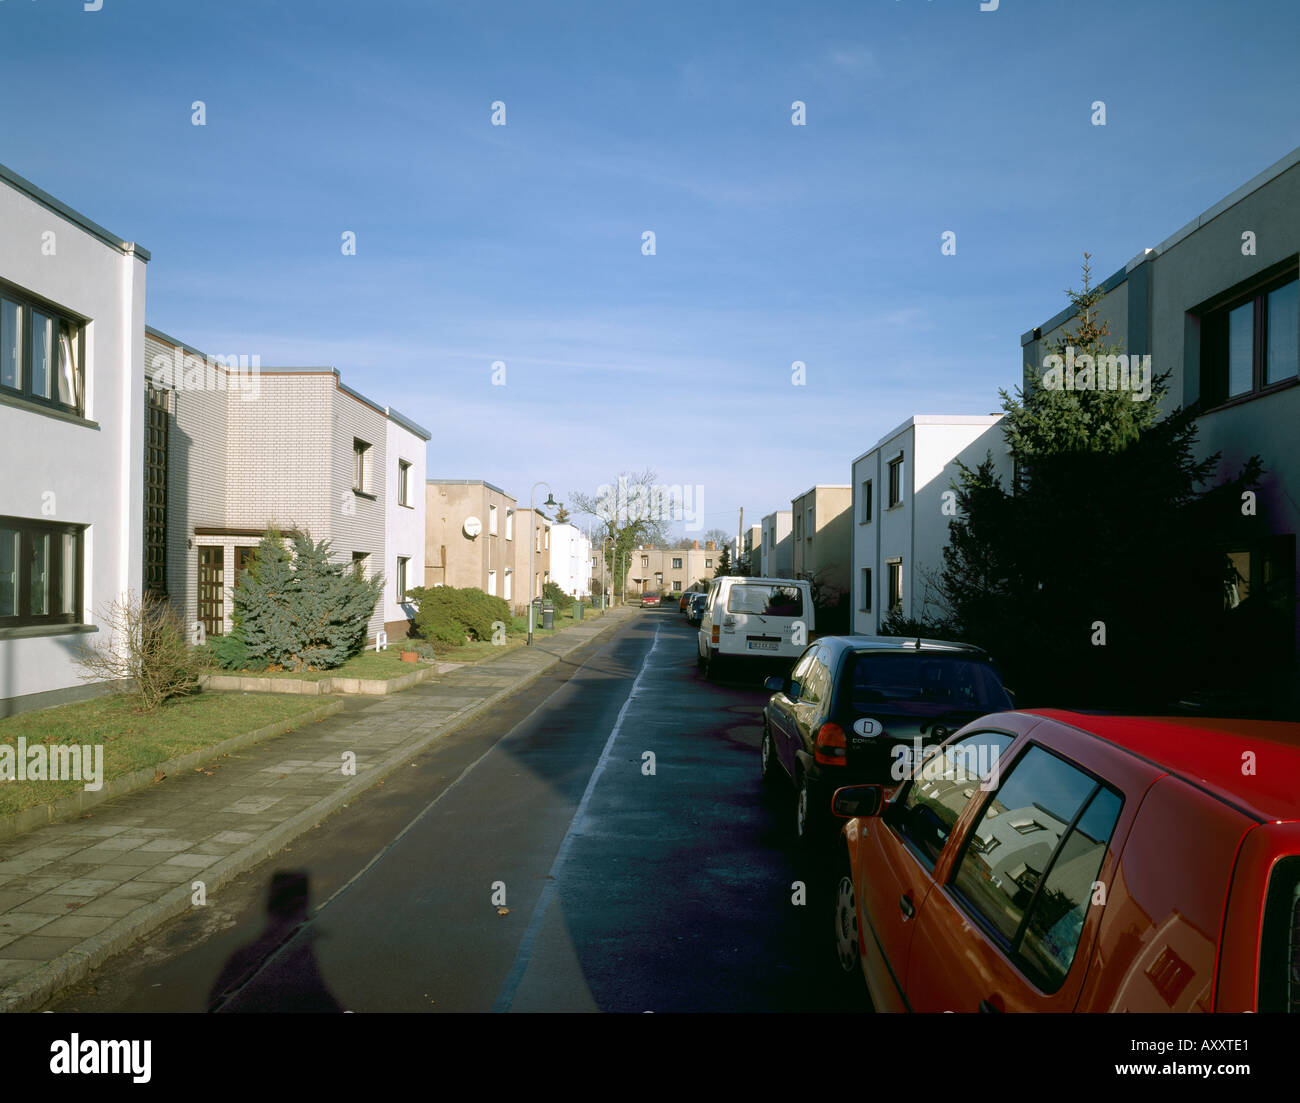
(524, 953)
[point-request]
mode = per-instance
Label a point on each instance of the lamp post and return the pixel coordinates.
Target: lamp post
(604, 569)
(550, 503)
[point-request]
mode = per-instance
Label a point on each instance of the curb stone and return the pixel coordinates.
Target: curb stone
(69, 967)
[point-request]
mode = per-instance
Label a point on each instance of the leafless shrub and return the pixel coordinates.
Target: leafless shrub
(145, 644)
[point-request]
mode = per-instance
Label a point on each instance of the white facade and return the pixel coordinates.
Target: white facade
(71, 438)
(404, 515)
(571, 559)
(778, 545)
(897, 544)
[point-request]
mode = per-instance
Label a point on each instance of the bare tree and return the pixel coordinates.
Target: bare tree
(145, 646)
(632, 510)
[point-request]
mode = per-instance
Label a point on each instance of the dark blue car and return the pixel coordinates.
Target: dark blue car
(855, 710)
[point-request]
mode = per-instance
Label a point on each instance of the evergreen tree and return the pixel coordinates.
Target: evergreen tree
(1096, 578)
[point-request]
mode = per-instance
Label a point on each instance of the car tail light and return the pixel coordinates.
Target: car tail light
(831, 747)
(716, 630)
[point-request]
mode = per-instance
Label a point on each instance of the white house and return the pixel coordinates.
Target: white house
(571, 559)
(778, 545)
(237, 451)
(72, 411)
(902, 508)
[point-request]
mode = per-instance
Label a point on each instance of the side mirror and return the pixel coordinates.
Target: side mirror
(857, 800)
(793, 691)
(774, 684)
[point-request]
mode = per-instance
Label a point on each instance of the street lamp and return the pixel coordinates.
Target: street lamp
(550, 503)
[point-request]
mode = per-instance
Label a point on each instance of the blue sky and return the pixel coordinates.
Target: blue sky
(522, 243)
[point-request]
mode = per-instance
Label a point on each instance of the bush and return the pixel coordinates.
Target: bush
(445, 615)
(300, 611)
(145, 644)
(551, 592)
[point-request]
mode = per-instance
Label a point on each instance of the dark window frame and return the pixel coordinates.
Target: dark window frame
(1213, 366)
(27, 528)
(27, 303)
(404, 483)
(360, 458)
(894, 570)
(896, 481)
(868, 501)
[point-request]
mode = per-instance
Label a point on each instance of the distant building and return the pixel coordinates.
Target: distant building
(470, 538)
(822, 539)
(571, 560)
(778, 545)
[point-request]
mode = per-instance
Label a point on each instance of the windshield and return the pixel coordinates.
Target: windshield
(766, 601)
(944, 681)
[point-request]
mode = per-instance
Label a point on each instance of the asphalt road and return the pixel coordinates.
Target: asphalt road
(624, 890)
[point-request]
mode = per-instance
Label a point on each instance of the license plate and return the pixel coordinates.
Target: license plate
(759, 646)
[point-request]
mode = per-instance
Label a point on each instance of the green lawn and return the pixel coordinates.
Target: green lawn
(133, 740)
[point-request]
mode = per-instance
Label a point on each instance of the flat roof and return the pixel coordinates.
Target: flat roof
(1226, 203)
(931, 419)
(387, 411)
(19, 183)
(474, 482)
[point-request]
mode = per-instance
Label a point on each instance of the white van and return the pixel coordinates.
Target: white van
(755, 618)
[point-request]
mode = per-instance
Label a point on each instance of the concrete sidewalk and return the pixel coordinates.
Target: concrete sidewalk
(73, 894)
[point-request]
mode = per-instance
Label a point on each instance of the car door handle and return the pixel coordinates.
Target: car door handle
(988, 1009)
(905, 902)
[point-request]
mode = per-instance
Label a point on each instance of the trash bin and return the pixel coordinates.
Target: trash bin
(548, 615)
(577, 611)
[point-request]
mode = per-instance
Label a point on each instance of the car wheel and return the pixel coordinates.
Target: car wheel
(767, 757)
(848, 950)
(711, 666)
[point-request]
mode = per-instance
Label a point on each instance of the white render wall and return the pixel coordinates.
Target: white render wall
(571, 559)
(778, 560)
(65, 470)
(404, 526)
(916, 530)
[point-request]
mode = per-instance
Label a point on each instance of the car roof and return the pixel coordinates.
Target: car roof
(1210, 754)
(862, 642)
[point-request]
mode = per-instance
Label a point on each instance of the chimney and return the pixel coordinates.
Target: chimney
(697, 545)
(708, 545)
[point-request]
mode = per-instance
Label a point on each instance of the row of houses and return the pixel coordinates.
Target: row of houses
(137, 462)
(1217, 304)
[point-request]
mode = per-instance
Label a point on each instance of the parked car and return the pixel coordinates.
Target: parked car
(685, 600)
(745, 618)
(695, 608)
(854, 706)
(1083, 863)
(649, 598)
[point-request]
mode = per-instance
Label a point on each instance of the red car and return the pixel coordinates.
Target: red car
(649, 599)
(1054, 861)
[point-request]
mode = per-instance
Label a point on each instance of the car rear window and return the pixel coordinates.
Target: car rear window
(926, 678)
(1032, 859)
(766, 601)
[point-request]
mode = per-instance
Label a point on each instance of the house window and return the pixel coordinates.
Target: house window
(708, 563)
(359, 464)
(510, 577)
(155, 491)
(677, 585)
(510, 524)
(359, 562)
(866, 502)
(809, 528)
(41, 572)
(244, 560)
(492, 520)
(645, 562)
(1251, 342)
(492, 583)
(895, 585)
(546, 536)
(42, 355)
(402, 561)
(403, 483)
(677, 564)
(896, 481)
(866, 589)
